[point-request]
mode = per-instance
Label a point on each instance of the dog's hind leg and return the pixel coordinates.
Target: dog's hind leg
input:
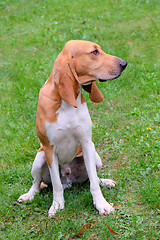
(37, 176)
(107, 182)
(103, 182)
(98, 161)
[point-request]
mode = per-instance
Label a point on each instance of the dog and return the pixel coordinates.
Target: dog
(63, 122)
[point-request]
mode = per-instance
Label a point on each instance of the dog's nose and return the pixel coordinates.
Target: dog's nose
(123, 64)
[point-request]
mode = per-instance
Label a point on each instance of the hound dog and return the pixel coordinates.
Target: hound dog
(63, 122)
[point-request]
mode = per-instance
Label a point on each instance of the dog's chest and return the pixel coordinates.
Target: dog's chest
(72, 126)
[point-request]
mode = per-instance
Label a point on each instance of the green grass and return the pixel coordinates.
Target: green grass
(126, 125)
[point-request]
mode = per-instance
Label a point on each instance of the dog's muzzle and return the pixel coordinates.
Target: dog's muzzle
(121, 65)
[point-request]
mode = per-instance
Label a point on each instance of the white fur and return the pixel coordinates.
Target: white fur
(65, 134)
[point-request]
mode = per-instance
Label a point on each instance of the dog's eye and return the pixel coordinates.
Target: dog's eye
(95, 52)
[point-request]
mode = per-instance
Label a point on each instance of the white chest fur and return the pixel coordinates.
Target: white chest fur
(72, 126)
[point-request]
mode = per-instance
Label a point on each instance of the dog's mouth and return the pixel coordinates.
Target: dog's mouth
(99, 79)
(105, 80)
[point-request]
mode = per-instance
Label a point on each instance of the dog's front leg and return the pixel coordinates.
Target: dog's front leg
(90, 155)
(58, 199)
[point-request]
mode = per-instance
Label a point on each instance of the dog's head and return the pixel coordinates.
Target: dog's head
(81, 63)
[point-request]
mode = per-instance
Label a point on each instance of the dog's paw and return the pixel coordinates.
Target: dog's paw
(107, 183)
(103, 207)
(54, 208)
(25, 197)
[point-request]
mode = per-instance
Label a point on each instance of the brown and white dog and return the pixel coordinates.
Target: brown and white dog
(63, 123)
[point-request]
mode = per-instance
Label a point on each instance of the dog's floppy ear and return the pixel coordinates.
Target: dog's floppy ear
(94, 93)
(68, 84)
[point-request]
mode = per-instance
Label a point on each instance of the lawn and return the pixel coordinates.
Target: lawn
(126, 125)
